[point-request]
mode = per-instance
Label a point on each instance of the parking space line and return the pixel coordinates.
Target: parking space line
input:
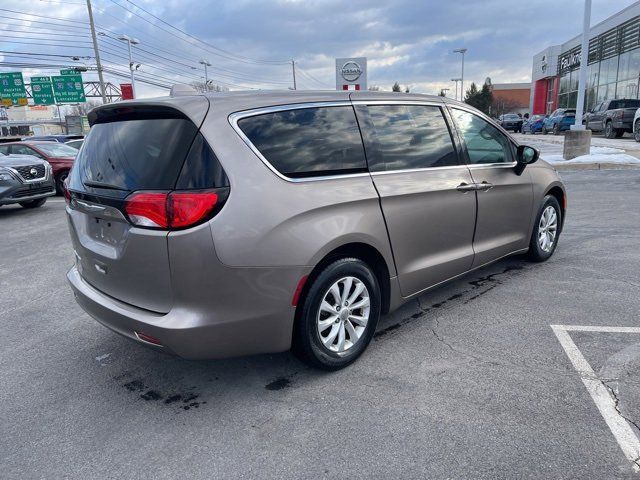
(622, 431)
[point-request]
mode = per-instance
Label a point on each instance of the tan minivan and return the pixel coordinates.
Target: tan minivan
(232, 224)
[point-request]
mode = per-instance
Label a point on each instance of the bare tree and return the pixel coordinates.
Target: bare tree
(82, 109)
(374, 88)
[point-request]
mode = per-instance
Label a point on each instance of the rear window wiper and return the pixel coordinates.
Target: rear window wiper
(108, 186)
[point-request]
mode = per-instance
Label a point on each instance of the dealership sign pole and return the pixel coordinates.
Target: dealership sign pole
(584, 59)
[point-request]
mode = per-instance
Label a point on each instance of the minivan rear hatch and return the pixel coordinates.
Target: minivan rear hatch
(131, 147)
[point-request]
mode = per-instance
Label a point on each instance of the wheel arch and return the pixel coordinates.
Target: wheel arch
(362, 251)
(560, 195)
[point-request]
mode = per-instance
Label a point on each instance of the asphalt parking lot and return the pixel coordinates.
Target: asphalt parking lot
(469, 381)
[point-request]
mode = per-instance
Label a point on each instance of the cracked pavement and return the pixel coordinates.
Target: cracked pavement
(467, 381)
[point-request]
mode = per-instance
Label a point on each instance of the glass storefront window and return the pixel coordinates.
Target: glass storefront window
(564, 84)
(573, 80)
(627, 89)
(609, 70)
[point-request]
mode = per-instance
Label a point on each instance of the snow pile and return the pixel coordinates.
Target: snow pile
(606, 158)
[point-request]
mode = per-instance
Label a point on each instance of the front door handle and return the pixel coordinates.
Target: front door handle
(466, 187)
(484, 186)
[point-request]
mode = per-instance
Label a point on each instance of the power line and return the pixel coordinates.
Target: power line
(248, 59)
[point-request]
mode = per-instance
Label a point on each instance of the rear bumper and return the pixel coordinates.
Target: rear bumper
(265, 325)
(626, 125)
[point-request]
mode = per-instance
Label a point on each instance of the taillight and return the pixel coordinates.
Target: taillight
(168, 210)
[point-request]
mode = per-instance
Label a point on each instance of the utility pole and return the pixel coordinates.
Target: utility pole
(584, 59)
(462, 51)
(206, 74)
(97, 52)
(293, 69)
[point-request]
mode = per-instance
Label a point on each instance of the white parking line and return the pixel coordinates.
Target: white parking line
(620, 428)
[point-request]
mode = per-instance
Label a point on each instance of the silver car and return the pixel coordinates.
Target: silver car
(245, 223)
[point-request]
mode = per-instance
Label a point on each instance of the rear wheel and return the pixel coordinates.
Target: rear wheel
(339, 315)
(636, 131)
(556, 129)
(609, 131)
(544, 130)
(546, 231)
(619, 133)
(33, 203)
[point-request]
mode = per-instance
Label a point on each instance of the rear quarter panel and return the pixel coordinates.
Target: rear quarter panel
(268, 221)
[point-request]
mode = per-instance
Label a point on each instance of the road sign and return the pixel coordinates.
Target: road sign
(69, 71)
(126, 90)
(68, 88)
(12, 89)
(42, 91)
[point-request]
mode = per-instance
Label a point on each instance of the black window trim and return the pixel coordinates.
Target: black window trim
(234, 118)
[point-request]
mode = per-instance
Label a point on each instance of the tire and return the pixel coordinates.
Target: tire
(609, 131)
(619, 133)
(62, 176)
(556, 129)
(636, 131)
(308, 337)
(544, 130)
(539, 251)
(34, 203)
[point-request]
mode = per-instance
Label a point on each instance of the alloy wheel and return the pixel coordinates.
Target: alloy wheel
(548, 228)
(343, 314)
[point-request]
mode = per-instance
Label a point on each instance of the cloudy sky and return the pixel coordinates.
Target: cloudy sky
(249, 43)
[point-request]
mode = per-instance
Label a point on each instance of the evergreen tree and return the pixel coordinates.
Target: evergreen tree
(481, 99)
(396, 87)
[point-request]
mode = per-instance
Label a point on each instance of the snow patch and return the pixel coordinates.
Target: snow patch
(613, 158)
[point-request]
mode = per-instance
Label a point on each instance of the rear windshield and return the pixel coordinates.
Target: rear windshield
(511, 117)
(134, 154)
(308, 142)
(57, 149)
(624, 104)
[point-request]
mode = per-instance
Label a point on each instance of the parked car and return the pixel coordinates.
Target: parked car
(636, 126)
(510, 121)
(75, 143)
(269, 228)
(533, 124)
(612, 117)
(26, 180)
(559, 121)
(52, 138)
(60, 156)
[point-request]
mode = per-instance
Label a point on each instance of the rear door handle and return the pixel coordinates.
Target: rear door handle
(466, 187)
(484, 186)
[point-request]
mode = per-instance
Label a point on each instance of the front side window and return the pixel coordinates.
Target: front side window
(405, 137)
(485, 143)
(308, 142)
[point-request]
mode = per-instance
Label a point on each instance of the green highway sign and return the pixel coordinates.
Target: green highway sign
(68, 88)
(42, 91)
(12, 89)
(69, 71)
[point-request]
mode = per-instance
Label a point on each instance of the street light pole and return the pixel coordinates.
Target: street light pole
(96, 51)
(293, 70)
(462, 51)
(584, 59)
(456, 80)
(206, 74)
(130, 41)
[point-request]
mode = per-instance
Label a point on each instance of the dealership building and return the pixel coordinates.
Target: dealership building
(613, 69)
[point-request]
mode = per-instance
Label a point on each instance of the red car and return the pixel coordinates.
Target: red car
(59, 155)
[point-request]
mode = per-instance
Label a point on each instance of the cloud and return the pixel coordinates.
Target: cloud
(404, 40)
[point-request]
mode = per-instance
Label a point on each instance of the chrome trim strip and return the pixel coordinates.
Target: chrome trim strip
(479, 166)
(429, 103)
(235, 117)
(425, 169)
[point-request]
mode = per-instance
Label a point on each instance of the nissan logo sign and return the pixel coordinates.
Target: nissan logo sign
(33, 172)
(351, 71)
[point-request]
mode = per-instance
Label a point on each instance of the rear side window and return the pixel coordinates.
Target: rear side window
(140, 154)
(401, 137)
(308, 142)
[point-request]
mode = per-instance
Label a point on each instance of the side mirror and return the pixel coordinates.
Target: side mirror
(525, 156)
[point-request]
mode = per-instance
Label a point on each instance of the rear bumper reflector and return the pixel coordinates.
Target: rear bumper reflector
(143, 337)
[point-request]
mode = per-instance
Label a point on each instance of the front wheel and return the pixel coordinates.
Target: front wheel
(546, 231)
(33, 203)
(544, 130)
(60, 182)
(636, 131)
(339, 315)
(556, 129)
